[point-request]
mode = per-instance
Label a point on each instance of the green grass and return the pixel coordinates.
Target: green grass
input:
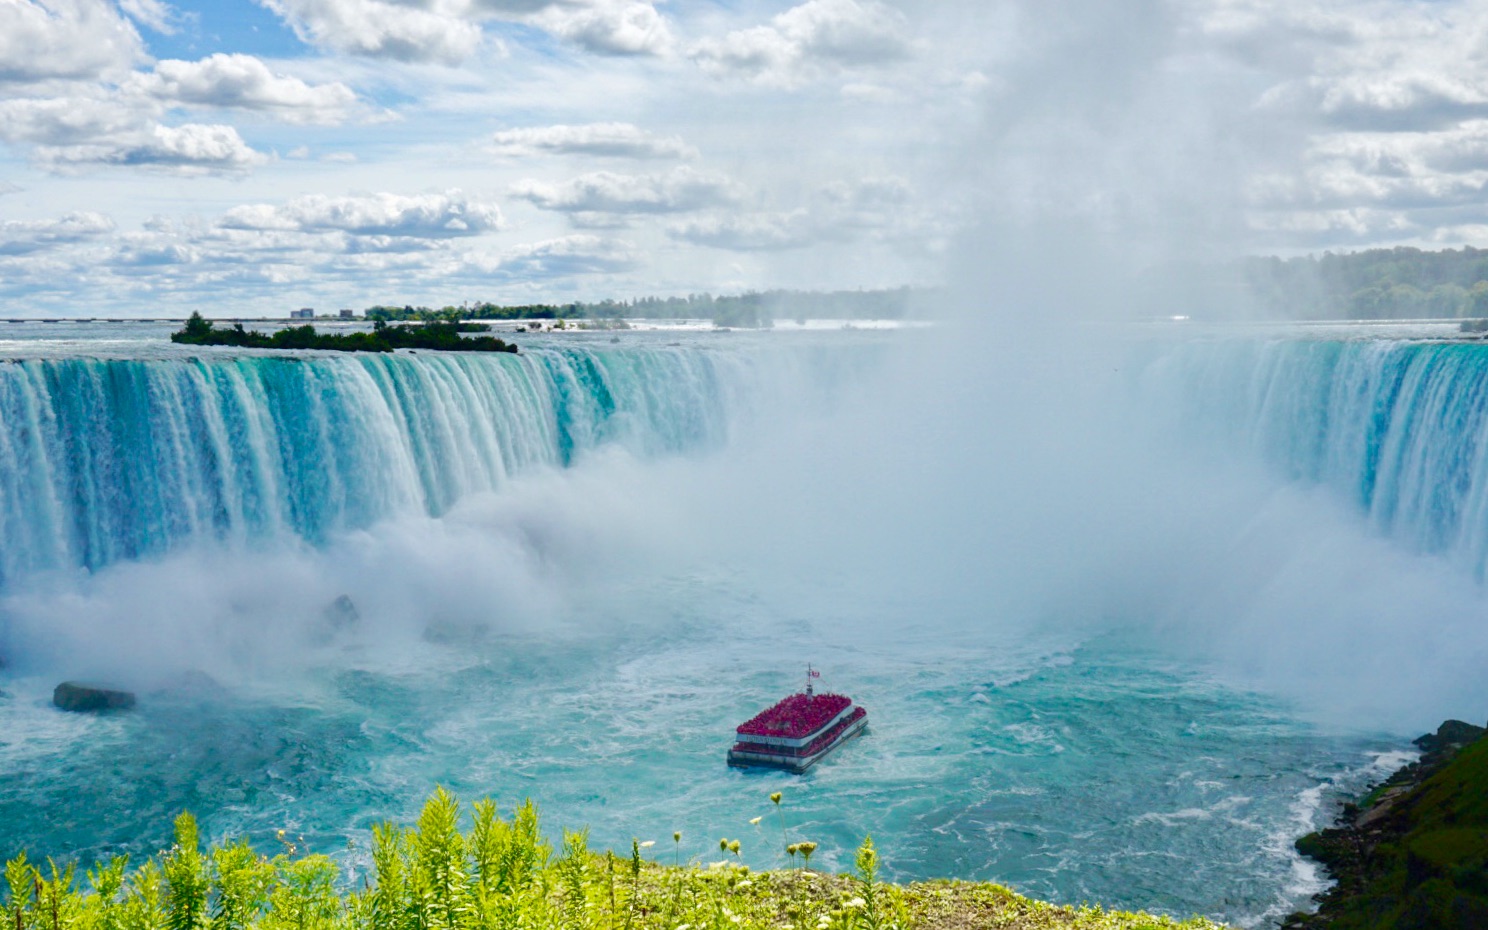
(1428, 867)
(501, 873)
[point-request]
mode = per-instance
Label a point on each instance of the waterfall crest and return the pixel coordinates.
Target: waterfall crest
(1399, 427)
(107, 460)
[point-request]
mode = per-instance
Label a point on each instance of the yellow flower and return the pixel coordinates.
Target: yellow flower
(755, 820)
(775, 797)
(648, 844)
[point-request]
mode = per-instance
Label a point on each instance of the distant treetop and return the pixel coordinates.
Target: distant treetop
(1377, 284)
(752, 309)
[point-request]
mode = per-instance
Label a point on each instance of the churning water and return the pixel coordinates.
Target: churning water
(572, 585)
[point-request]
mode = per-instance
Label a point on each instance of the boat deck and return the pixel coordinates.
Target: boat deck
(776, 738)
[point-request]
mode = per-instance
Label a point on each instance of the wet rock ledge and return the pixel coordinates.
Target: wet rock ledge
(1412, 854)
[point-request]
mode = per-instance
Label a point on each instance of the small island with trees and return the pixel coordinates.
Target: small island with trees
(442, 336)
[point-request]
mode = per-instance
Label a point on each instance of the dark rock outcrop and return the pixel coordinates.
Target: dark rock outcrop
(1451, 736)
(79, 697)
(342, 614)
(338, 617)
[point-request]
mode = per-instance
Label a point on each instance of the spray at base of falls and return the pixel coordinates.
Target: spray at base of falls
(653, 577)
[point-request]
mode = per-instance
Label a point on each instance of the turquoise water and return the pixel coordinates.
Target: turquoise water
(548, 612)
(1088, 774)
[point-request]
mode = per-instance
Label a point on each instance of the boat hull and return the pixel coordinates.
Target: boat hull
(756, 758)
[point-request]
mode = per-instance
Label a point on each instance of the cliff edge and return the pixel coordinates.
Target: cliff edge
(1413, 853)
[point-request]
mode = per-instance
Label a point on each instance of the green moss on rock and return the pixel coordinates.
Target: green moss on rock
(1414, 854)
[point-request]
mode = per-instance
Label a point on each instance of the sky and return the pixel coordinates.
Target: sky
(252, 156)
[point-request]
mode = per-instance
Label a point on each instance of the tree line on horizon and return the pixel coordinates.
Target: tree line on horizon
(752, 309)
(1375, 284)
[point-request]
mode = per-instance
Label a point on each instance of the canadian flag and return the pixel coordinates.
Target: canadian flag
(813, 673)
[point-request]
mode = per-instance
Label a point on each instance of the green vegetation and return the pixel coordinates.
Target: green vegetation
(752, 309)
(501, 873)
(439, 336)
(1414, 854)
(1377, 284)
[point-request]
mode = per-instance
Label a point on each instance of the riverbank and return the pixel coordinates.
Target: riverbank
(502, 872)
(1412, 854)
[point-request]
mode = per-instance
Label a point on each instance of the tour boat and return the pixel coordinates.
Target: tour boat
(799, 731)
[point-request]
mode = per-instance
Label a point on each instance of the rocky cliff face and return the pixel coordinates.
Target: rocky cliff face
(1413, 853)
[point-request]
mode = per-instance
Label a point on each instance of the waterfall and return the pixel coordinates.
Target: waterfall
(107, 460)
(1398, 427)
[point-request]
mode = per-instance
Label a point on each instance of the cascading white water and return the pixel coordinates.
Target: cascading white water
(1398, 428)
(110, 460)
(491, 516)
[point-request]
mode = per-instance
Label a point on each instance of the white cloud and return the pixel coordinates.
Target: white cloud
(245, 82)
(842, 210)
(565, 256)
(679, 190)
(190, 149)
(67, 120)
(1319, 122)
(151, 13)
(617, 140)
(611, 27)
(42, 39)
(22, 237)
(422, 216)
(1389, 114)
(817, 36)
(1402, 100)
(147, 254)
(432, 31)
(449, 31)
(757, 232)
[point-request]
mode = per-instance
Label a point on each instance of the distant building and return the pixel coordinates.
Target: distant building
(304, 313)
(348, 314)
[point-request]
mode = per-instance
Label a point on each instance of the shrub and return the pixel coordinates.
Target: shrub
(500, 874)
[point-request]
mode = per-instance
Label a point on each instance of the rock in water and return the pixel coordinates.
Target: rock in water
(342, 613)
(74, 696)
